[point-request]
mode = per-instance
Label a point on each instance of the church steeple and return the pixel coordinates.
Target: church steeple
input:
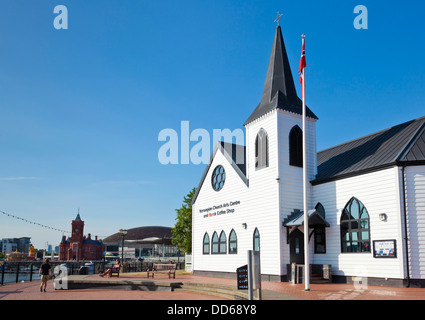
(279, 75)
(279, 88)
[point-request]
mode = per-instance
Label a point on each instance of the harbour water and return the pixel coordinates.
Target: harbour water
(23, 277)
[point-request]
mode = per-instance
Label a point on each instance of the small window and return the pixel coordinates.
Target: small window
(206, 248)
(256, 240)
(319, 240)
(215, 246)
(233, 242)
(261, 150)
(223, 243)
(320, 232)
(296, 147)
(319, 208)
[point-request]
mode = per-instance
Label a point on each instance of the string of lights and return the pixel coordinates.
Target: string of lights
(38, 224)
(32, 222)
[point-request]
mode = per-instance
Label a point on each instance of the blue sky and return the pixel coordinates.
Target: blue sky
(81, 108)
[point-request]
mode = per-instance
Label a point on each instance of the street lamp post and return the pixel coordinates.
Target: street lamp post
(122, 232)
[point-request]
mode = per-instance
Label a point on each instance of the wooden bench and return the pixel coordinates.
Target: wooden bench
(169, 269)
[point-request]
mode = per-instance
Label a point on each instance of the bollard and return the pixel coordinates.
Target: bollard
(2, 274)
(31, 268)
(17, 273)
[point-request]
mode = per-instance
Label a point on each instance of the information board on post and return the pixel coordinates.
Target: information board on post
(254, 274)
(256, 271)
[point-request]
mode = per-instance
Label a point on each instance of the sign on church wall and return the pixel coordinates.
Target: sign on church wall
(384, 249)
(216, 210)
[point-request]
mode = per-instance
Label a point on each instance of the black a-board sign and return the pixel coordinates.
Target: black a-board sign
(242, 276)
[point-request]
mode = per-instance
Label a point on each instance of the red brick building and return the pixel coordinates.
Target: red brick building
(80, 247)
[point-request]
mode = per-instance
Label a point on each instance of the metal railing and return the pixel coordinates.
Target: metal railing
(23, 271)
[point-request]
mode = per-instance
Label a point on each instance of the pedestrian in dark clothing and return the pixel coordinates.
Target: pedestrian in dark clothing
(45, 272)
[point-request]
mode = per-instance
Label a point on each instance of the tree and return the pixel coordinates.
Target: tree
(182, 231)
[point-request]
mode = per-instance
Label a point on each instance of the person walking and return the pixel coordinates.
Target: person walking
(45, 272)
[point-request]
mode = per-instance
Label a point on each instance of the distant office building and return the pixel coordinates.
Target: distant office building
(15, 244)
(7, 246)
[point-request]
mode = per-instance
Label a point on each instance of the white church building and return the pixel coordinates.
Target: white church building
(367, 196)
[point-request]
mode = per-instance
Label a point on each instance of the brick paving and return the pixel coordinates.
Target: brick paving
(324, 291)
(31, 291)
(275, 291)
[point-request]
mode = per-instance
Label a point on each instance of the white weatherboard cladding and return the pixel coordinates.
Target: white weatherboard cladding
(233, 190)
(265, 203)
(263, 193)
(415, 203)
(291, 178)
(258, 208)
(379, 193)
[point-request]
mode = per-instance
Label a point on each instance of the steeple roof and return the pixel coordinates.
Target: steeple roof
(279, 88)
(78, 218)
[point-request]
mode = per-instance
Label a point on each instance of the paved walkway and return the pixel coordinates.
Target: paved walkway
(332, 291)
(271, 291)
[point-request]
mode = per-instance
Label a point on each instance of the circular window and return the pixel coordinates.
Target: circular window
(218, 178)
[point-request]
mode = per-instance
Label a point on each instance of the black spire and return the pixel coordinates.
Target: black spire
(279, 75)
(279, 88)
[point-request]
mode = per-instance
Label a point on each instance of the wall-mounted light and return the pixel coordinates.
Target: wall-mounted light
(383, 216)
(244, 225)
(277, 179)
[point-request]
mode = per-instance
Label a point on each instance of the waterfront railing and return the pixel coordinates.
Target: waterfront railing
(24, 271)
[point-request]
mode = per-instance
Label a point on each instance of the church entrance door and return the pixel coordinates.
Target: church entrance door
(296, 247)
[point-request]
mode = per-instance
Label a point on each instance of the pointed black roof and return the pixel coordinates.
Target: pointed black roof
(78, 218)
(279, 88)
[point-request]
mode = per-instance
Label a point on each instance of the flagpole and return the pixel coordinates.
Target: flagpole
(305, 181)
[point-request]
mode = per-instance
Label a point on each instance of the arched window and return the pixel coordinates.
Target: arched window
(320, 232)
(319, 208)
(215, 243)
(296, 147)
(256, 240)
(355, 227)
(222, 242)
(206, 242)
(233, 242)
(261, 150)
